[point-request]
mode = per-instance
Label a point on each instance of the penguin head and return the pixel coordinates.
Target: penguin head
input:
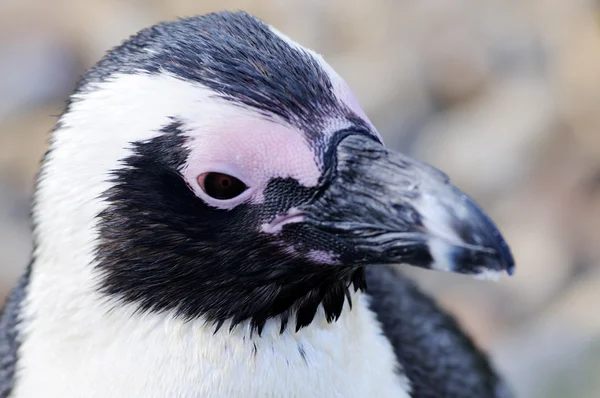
(214, 168)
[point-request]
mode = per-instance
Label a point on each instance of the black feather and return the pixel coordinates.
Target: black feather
(10, 338)
(436, 355)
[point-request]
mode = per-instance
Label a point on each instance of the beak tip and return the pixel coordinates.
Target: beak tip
(482, 262)
(510, 268)
(502, 258)
(506, 257)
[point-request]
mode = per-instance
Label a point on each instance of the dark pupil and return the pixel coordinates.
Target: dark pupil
(223, 186)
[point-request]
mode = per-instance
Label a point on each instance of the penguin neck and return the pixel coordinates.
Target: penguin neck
(73, 330)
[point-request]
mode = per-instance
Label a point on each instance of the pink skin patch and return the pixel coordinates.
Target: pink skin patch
(252, 149)
(316, 256)
(292, 216)
(322, 257)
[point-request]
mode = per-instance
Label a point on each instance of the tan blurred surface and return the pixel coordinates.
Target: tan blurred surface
(503, 95)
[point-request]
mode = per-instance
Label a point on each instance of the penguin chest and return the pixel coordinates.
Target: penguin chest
(118, 355)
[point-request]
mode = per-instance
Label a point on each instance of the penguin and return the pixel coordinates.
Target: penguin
(216, 216)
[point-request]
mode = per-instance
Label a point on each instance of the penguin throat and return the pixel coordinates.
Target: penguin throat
(329, 298)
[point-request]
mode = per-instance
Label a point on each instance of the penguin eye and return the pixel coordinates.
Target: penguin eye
(221, 186)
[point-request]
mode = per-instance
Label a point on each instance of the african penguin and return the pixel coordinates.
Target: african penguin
(216, 217)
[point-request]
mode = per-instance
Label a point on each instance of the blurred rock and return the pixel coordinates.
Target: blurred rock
(503, 96)
(35, 68)
(544, 259)
(23, 142)
(560, 344)
(578, 80)
(490, 145)
(15, 245)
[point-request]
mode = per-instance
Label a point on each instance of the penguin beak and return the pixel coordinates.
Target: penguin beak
(388, 208)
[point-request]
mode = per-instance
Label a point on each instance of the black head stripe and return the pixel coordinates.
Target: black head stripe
(240, 58)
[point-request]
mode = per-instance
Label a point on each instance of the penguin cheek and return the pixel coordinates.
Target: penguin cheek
(308, 247)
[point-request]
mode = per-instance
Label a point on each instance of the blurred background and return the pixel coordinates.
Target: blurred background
(503, 95)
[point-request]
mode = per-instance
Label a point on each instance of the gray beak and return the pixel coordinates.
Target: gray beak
(384, 207)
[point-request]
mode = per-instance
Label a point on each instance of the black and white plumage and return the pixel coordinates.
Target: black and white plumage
(206, 223)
